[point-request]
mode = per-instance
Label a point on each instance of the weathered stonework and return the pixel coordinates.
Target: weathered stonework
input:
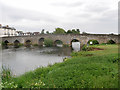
(66, 39)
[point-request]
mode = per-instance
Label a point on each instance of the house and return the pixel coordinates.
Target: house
(36, 33)
(7, 31)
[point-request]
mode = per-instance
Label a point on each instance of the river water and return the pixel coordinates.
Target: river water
(21, 60)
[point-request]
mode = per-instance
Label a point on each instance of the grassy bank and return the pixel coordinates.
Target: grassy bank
(86, 69)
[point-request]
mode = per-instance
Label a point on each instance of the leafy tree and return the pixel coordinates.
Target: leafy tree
(47, 32)
(42, 32)
(84, 33)
(75, 31)
(59, 31)
(78, 31)
(48, 42)
(69, 32)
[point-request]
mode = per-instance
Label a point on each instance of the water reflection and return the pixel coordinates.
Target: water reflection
(20, 60)
(23, 59)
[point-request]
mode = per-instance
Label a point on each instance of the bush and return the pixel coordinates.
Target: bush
(94, 42)
(85, 48)
(110, 42)
(6, 73)
(10, 44)
(3, 44)
(48, 42)
(35, 44)
(65, 45)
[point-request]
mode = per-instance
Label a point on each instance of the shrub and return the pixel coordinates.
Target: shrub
(110, 42)
(10, 44)
(35, 44)
(6, 73)
(48, 42)
(94, 42)
(2, 43)
(65, 45)
(85, 48)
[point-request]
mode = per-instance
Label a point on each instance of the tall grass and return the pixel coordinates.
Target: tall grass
(86, 69)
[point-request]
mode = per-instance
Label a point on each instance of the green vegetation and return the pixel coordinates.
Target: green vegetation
(86, 69)
(42, 32)
(2, 43)
(110, 42)
(58, 42)
(6, 76)
(73, 31)
(65, 45)
(86, 48)
(59, 31)
(62, 31)
(94, 42)
(35, 44)
(48, 42)
(47, 32)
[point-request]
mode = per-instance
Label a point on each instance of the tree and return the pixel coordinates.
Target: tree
(84, 33)
(78, 31)
(48, 42)
(59, 31)
(73, 31)
(69, 32)
(47, 32)
(42, 32)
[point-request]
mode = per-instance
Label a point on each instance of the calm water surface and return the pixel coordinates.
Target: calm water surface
(21, 60)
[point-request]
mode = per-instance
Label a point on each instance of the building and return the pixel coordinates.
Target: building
(7, 31)
(36, 33)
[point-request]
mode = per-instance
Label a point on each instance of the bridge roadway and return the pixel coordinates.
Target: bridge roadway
(66, 39)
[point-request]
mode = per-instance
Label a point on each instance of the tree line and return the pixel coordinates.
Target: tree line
(62, 31)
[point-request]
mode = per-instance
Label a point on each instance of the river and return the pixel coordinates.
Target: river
(21, 60)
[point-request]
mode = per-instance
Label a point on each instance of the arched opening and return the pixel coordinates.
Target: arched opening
(16, 43)
(111, 42)
(92, 42)
(28, 43)
(58, 43)
(41, 42)
(75, 44)
(6, 42)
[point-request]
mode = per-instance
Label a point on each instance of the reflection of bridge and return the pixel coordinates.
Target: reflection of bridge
(66, 39)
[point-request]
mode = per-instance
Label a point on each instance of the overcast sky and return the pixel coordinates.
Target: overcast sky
(93, 16)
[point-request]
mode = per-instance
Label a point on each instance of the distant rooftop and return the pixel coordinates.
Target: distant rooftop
(7, 27)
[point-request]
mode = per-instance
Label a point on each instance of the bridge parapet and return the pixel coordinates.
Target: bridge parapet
(66, 39)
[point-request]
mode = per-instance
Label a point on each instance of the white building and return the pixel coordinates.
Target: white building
(7, 31)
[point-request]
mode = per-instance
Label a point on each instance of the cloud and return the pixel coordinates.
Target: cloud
(97, 17)
(67, 4)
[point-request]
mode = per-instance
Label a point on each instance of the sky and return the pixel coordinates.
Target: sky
(92, 16)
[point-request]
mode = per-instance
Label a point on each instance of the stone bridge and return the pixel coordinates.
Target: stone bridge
(66, 39)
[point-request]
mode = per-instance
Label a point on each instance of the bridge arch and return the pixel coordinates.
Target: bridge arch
(6, 42)
(41, 41)
(16, 43)
(111, 41)
(74, 40)
(58, 42)
(28, 42)
(93, 41)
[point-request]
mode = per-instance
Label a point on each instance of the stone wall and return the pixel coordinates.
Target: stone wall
(66, 39)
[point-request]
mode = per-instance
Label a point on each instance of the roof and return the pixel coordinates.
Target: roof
(7, 27)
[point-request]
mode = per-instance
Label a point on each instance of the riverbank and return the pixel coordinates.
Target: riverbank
(86, 69)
